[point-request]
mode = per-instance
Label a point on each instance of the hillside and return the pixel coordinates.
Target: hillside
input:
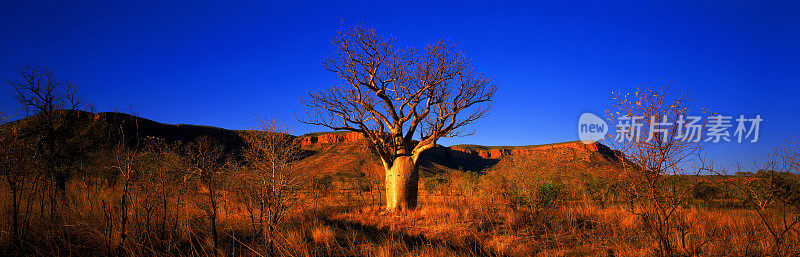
(349, 153)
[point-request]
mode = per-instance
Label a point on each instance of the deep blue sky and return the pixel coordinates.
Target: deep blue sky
(226, 64)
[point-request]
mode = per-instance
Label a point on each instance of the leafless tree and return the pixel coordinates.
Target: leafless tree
(16, 166)
(39, 91)
(655, 168)
(402, 101)
(164, 177)
(774, 193)
(269, 183)
(208, 163)
(56, 131)
(127, 164)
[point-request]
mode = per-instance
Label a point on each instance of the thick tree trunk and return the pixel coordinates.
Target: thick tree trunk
(402, 184)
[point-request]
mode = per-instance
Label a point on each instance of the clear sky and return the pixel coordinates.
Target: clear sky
(224, 64)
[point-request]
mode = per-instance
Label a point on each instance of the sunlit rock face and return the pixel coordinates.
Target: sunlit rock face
(459, 152)
(331, 138)
(498, 153)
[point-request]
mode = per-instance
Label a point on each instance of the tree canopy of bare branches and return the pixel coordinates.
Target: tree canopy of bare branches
(393, 96)
(38, 90)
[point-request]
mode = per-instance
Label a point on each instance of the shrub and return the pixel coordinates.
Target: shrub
(434, 184)
(705, 191)
(323, 185)
(536, 198)
(548, 193)
(599, 189)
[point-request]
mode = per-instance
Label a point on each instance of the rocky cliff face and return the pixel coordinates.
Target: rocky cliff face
(331, 138)
(467, 152)
(498, 153)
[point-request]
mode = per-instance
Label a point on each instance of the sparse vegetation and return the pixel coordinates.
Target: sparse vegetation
(521, 206)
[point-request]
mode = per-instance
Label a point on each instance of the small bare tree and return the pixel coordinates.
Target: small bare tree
(402, 101)
(774, 193)
(656, 157)
(39, 91)
(207, 162)
(16, 165)
(61, 135)
(165, 177)
(126, 164)
(269, 183)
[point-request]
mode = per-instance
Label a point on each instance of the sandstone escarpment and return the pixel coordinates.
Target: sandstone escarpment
(331, 138)
(499, 152)
(469, 152)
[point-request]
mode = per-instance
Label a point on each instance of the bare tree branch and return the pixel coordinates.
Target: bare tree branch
(388, 95)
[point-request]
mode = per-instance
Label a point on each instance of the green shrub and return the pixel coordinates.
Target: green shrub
(537, 198)
(599, 189)
(434, 184)
(706, 191)
(548, 193)
(784, 187)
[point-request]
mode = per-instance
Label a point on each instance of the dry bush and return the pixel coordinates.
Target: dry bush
(16, 167)
(774, 194)
(659, 162)
(268, 185)
(209, 169)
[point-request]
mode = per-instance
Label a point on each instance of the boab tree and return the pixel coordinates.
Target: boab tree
(402, 101)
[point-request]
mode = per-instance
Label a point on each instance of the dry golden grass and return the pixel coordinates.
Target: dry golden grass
(575, 230)
(464, 224)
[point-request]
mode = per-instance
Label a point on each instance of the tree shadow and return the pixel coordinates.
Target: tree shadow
(305, 153)
(470, 246)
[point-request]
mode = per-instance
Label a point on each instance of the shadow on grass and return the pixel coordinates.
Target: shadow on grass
(470, 246)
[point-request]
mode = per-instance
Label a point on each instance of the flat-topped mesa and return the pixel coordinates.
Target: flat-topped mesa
(497, 153)
(331, 138)
(464, 151)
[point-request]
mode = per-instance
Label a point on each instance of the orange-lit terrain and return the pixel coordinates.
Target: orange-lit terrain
(472, 202)
(389, 128)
